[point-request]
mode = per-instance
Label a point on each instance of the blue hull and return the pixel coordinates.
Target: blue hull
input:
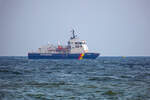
(61, 56)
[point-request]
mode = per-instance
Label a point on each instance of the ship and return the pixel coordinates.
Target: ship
(75, 49)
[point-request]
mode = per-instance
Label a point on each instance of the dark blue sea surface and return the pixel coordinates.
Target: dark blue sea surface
(105, 78)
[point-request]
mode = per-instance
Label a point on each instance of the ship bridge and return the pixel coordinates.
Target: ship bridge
(76, 45)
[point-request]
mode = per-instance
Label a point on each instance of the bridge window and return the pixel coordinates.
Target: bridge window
(77, 46)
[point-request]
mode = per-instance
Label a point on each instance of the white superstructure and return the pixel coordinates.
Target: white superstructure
(75, 45)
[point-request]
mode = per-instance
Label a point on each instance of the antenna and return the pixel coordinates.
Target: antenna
(76, 28)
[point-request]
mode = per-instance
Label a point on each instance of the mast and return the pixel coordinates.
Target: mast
(73, 34)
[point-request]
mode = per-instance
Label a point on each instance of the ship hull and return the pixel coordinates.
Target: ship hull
(62, 56)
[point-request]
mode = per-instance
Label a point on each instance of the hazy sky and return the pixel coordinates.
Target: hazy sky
(111, 27)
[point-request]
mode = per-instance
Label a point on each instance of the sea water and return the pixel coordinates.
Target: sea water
(105, 78)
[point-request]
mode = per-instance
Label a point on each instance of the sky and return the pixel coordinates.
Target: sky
(110, 27)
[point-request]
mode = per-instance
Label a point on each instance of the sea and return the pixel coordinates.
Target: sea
(104, 78)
